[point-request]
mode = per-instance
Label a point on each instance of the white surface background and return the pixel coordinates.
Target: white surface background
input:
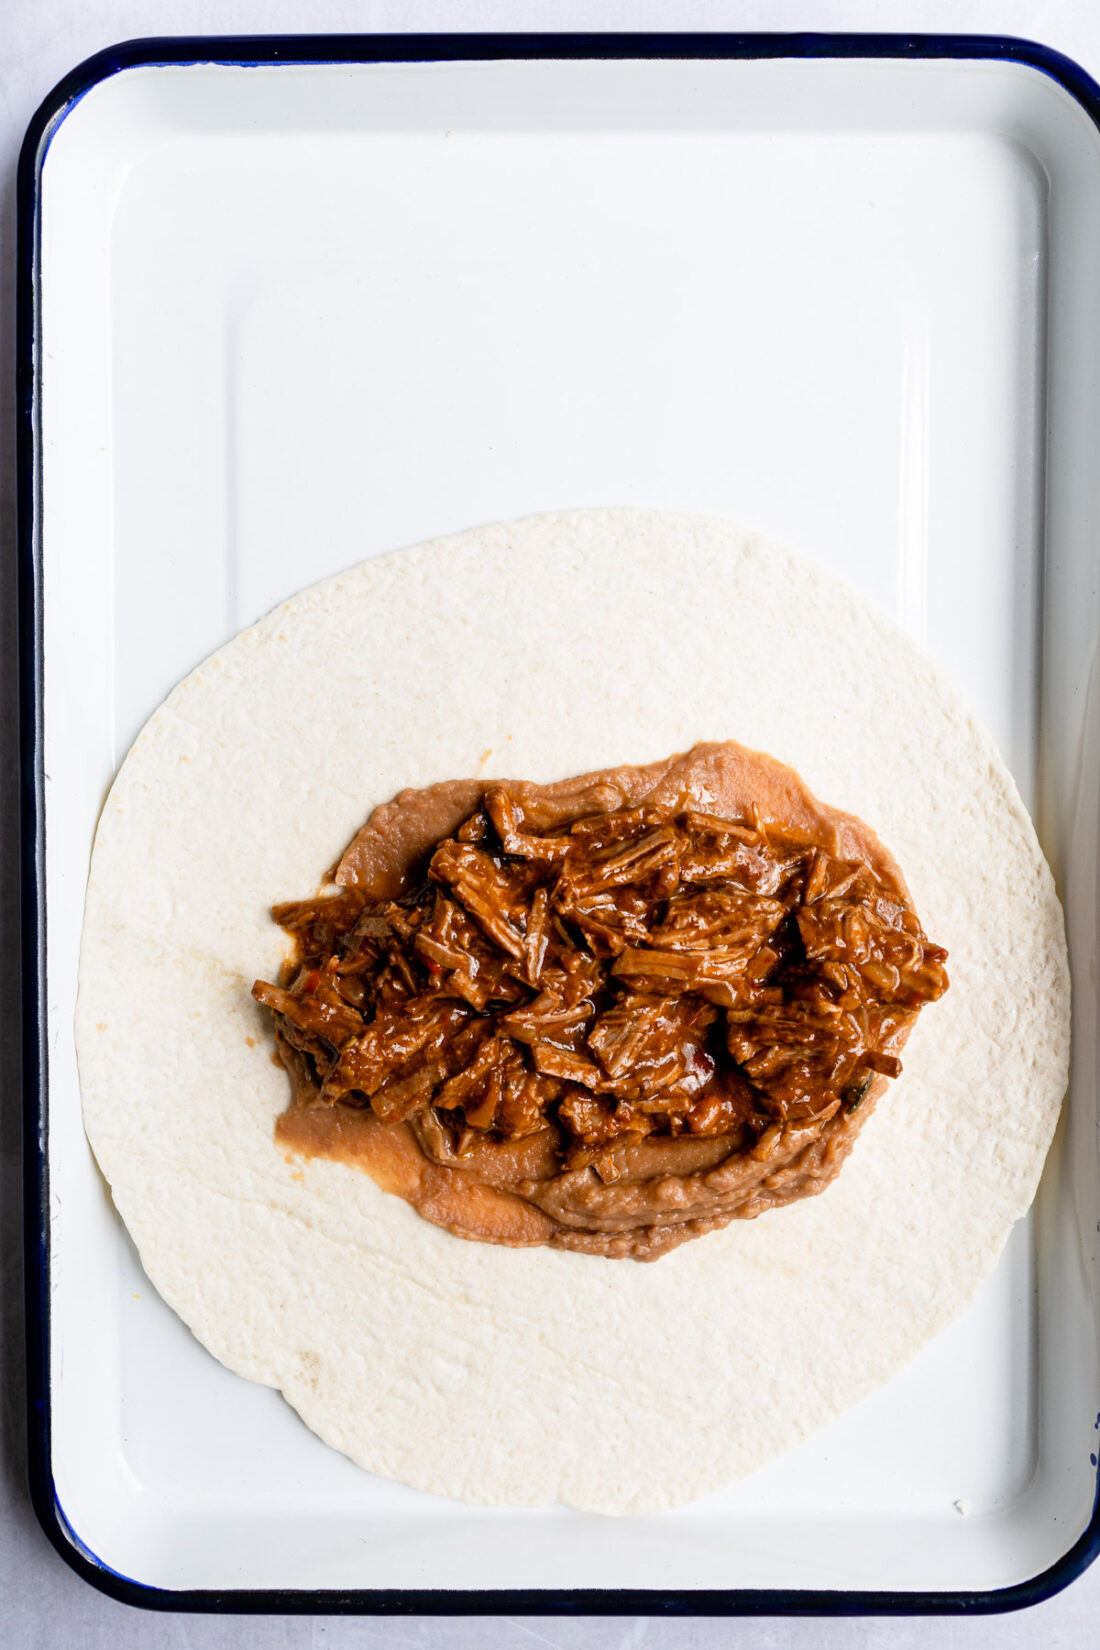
(41, 1602)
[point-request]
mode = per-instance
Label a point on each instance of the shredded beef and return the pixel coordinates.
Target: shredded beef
(619, 977)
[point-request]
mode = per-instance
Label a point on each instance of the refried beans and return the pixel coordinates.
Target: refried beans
(609, 1014)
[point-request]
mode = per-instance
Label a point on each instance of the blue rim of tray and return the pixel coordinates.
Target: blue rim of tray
(354, 48)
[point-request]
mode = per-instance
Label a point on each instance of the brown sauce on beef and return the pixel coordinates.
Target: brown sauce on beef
(610, 1014)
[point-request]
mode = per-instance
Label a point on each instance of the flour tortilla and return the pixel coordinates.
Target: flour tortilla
(544, 648)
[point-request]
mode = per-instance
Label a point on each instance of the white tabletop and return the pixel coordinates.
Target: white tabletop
(42, 1603)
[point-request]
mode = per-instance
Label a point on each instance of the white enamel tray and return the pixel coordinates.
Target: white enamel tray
(287, 304)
